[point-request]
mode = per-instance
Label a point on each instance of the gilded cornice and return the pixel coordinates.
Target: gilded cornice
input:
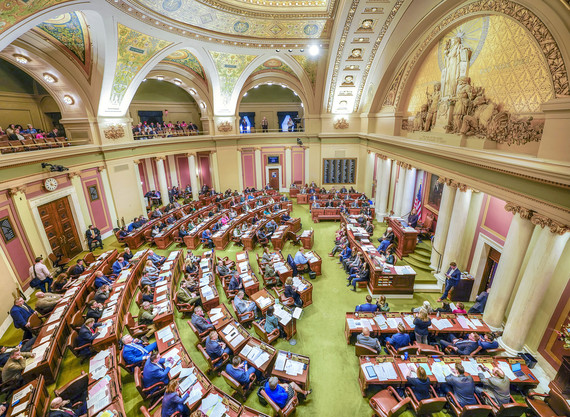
(159, 158)
(73, 174)
(523, 212)
(544, 221)
(222, 6)
(13, 191)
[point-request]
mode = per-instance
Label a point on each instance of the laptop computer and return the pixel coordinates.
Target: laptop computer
(516, 367)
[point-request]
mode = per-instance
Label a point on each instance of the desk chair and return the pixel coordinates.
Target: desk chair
(90, 297)
(476, 410)
(178, 240)
(129, 368)
(77, 320)
(244, 319)
(156, 412)
(89, 258)
(154, 398)
(487, 352)
(183, 308)
(388, 403)
(214, 365)
(292, 236)
(550, 405)
(59, 261)
(286, 301)
(363, 350)
(148, 236)
(412, 349)
(201, 336)
(426, 227)
(120, 239)
(259, 328)
(428, 350)
(237, 387)
(136, 330)
(75, 350)
(281, 412)
(36, 322)
(75, 390)
(139, 299)
(426, 407)
(263, 241)
(270, 281)
(512, 409)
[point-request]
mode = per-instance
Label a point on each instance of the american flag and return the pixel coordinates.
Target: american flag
(418, 201)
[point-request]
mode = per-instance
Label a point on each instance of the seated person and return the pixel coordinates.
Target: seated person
(237, 236)
(242, 373)
(269, 271)
(413, 219)
(244, 306)
(62, 408)
(155, 231)
(366, 307)
(382, 305)
(157, 260)
(156, 371)
(215, 348)
(236, 283)
(425, 306)
(207, 238)
(187, 295)
(127, 254)
(461, 346)
(14, 367)
(60, 283)
(301, 260)
(222, 269)
(271, 227)
(488, 341)
(390, 257)
(182, 232)
(400, 339)
(362, 276)
(383, 247)
(266, 256)
(77, 269)
(21, 313)
(46, 302)
(146, 316)
(291, 292)
(124, 232)
(119, 265)
(271, 323)
(388, 234)
(459, 309)
(285, 218)
(94, 310)
(371, 342)
(102, 294)
(345, 253)
(134, 351)
(86, 335)
(93, 236)
(170, 220)
(498, 386)
(462, 386)
(480, 303)
(101, 280)
(445, 307)
(174, 401)
(199, 321)
(190, 267)
(151, 270)
(147, 293)
(369, 227)
(419, 382)
(261, 237)
(281, 394)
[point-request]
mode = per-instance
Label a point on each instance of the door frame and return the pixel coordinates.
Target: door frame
(75, 209)
(276, 166)
(479, 261)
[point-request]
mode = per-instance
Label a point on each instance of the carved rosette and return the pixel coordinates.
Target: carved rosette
(341, 123)
(114, 132)
(523, 212)
(225, 127)
(382, 157)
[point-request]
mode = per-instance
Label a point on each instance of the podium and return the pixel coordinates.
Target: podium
(406, 237)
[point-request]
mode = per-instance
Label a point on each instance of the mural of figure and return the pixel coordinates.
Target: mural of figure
(456, 58)
(433, 103)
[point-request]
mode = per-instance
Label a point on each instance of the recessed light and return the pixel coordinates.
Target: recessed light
(49, 78)
(283, 85)
(245, 94)
(203, 105)
(290, 50)
(68, 100)
(144, 80)
(192, 91)
(256, 86)
(301, 50)
(177, 82)
(278, 50)
(21, 58)
(143, 16)
(270, 83)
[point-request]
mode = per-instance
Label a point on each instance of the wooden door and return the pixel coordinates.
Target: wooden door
(60, 228)
(490, 268)
(274, 178)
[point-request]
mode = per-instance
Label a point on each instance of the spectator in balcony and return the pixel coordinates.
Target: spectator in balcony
(54, 133)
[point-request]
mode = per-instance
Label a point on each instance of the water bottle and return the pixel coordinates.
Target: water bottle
(406, 356)
(288, 355)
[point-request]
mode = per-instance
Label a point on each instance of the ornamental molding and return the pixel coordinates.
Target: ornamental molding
(523, 212)
(160, 158)
(225, 127)
(544, 221)
(13, 191)
(341, 123)
(114, 132)
(137, 161)
(382, 157)
(191, 154)
(74, 174)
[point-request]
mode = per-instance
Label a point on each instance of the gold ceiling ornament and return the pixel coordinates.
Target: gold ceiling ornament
(160, 158)
(225, 127)
(73, 174)
(341, 123)
(544, 221)
(391, 94)
(114, 132)
(523, 212)
(524, 16)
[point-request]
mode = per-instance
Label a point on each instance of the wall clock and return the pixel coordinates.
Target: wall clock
(50, 184)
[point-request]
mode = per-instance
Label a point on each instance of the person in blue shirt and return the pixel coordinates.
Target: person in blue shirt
(215, 348)
(119, 265)
(172, 402)
(345, 253)
(243, 374)
(285, 218)
(400, 339)
(101, 280)
(157, 260)
(236, 283)
(21, 313)
(281, 394)
(363, 275)
(124, 232)
(155, 371)
(367, 307)
(301, 260)
(453, 276)
(488, 341)
(207, 238)
(383, 246)
(182, 232)
(420, 384)
(134, 352)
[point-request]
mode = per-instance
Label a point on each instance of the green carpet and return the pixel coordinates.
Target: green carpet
(320, 334)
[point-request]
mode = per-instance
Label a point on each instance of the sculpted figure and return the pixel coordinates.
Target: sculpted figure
(433, 103)
(476, 123)
(420, 118)
(456, 58)
(463, 102)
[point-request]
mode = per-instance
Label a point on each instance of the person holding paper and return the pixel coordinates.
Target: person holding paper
(134, 351)
(422, 323)
(281, 394)
(400, 339)
(215, 348)
(498, 386)
(157, 260)
(156, 371)
(242, 373)
(146, 317)
(119, 265)
(173, 402)
(420, 384)
(365, 339)
(480, 303)
(199, 321)
(462, 386)
(59, 408)
(271, 323)
(453, 275)
(86, 335)
(21, 313)
(291, 292)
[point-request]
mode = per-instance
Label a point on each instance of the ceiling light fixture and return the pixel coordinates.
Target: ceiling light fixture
(290, 50)
(49, 78)
(278, 50)
(177, 82)
(256, 86)
(68, 100)
(245, 94)
(144, 80)
(270, 83)
(192, 91)
(21, 58)
(313, 50)
(159, 77)
(203, 105)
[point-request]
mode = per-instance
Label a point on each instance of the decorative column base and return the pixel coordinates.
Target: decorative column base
(509, 351)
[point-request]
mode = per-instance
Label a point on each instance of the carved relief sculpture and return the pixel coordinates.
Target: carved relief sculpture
(114, 132)
(225, 127)
(341, 124)
(456, 64)
(463, 100)
(433, 103)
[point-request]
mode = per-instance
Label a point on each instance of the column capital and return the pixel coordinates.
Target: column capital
(159, 158)
(189, 154)
(137, 161)
(287, 148)
(554, 226)
(13, 191)
(382, 157)
(257, 149)
(101, 169)
(404, 165)
(523, 212)
(73, 174)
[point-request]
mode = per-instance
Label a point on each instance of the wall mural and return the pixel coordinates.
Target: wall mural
(486, 77)
(309, 66)
(70, 32)
(229, 68)
(134, 50)
(13, 12)
(274, 65)
(186, 59)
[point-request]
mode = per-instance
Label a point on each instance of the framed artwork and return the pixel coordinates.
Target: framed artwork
(93, 192)
(435, 190)
(8, 232)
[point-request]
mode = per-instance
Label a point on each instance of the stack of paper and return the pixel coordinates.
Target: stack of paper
(441, 323)
(213, 406)
(195, 394)
(165, 334)
(264, 301)
(293, 367)
(409, 319)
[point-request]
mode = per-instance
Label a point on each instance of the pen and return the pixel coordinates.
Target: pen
(532, 377)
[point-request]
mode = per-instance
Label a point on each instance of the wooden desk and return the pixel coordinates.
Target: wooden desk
(230, 341)
(256, 343)
(256, 298)
(162, 345)
(250, 412)
(225, 319)
(406, 238)
(294, 223)
(136, 239)
(302, 198)
(302, 379)
(233, 407)
(35, 400)
(316, 263)
(364, 383)
(306, 294)
(279, 237)
(308, 239)
(293, 192)
(208, 303)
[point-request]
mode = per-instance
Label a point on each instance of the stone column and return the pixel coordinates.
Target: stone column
(369, 179)
(109, 195)
(456, 229)
(400, 185)
(288, 167)
(75, 178)
(193, 176)
(214, 162)
(240, 170)
(383, 186)
(258, 168)
(514, 249)
(443, 219)
(535, 280)
(172, 169)
(144, 201)
(409, 189)
(152, 184)
(307, 165)
(162, 185)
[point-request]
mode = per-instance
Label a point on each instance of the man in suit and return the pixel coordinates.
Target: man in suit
(498, 386)
(345, 253)
(367, 307)
(21, 313)
(480, 303)
(86, 335)
(102, 294)
(156, 371)
(462, 385)
(119, 265)
(461, 346)
(93, 236)
(188, 294)
(101, 280)
(157, 260)
(453, 276)
(243, 374)
(244, 306)
(134, 351)
(400, 339)
(77, 269)
(207, 238)
(488, 341)
(46, 302)
(199, 321)
(12, 371)
(214, 347)
(59, 408)
(94, 310)
(371, 342)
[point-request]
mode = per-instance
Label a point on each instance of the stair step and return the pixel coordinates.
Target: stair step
(424, 252)
(419, 257)
(415, 264)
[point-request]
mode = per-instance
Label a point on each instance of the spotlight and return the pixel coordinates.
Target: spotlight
(299, 142)
(68, 100)
(313, 50)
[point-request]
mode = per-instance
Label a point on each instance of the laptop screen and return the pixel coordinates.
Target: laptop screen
(516, 367)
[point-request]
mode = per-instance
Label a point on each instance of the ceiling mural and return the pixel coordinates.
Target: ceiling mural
(134, 50)
(274, 64)
(12, 12)
(70, 32)
(229, 68)
(239, 22)
(188, 60)
(309, 66)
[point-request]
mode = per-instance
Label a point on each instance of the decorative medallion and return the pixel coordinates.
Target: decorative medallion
(114, 132)
(241, 27)
(341, 124)
(171, 5)
(311, 29)
(225, 127)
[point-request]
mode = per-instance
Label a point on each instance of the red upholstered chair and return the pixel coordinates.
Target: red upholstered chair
(363, 350)
(201, 336)
(428, 350)
(260, 331)
(281, 412)
(426, 407)
(155, 397)
(412, 349)
(214, 365)
(136, 330)
(512, 409)
(244, 319)
(552, 404)
(487, 352)
(476, 410)
(387, 403)
(156, 412)
(183, 308)
(237, 387)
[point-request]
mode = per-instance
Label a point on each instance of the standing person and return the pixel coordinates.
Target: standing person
(422, 323)
(41, 277)
(453, 275)
(264, 125)
(498, 386)
(93, 236)
(480, 303)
